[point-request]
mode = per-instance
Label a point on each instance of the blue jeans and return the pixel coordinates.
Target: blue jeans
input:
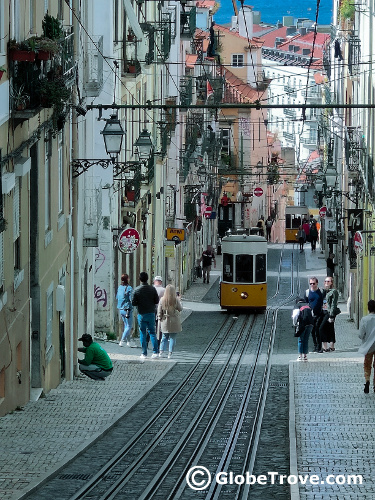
(128, 324)
(164, 341)
(303, 340)
(146, 324)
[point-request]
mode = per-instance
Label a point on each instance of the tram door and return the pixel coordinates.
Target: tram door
(225, 219)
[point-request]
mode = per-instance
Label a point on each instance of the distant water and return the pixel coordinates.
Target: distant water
(273, 11)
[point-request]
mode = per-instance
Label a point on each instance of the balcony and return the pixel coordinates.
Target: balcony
(188, 22)
(186, 91)
(353, 148)
(354, 55)
(92, 213)
(290, 91)
(290, 113)
(289, 136)
(93, 74)
(42, 76)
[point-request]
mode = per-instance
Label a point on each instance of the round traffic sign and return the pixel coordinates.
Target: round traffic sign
(323, 212)
(128, 240)
(208, 212)
(258, 191)
(358, 242)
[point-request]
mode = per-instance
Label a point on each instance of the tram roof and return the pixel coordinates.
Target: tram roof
(244, 238)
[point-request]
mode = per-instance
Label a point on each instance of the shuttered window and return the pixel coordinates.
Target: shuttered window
(16, 209)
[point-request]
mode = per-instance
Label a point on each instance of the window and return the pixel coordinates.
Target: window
(49, 313)
(1, 263)
(228, 267)
(61, 172)
(244, 268)
(47, 184)
(225, 148)
(260, 268)
(237, 60)
(16, 226)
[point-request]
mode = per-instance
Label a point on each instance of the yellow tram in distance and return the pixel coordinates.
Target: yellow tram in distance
(294, 217)
(244, 271)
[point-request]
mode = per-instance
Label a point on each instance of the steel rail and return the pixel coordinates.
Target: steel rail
(205, 405)
(89, 486)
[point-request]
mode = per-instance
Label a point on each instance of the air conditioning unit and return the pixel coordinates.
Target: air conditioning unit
(22, 166)
(8, 182)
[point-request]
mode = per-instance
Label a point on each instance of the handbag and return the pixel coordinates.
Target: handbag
(337, 311)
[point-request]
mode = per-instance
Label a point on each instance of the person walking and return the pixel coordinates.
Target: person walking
(125, 307)
(269, 223)
(158, 284)
(306, 228)
(145, 298)
(314, 297)
(207, 257)
(367, 335)
(96, 363)
(330, 311)
(169, 317)
(301, 237)
(330, 265)
(313, 236)
(303, 321)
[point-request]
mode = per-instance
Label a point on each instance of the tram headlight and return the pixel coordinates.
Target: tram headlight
(244, 295)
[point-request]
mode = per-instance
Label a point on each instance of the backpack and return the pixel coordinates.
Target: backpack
(305, 319)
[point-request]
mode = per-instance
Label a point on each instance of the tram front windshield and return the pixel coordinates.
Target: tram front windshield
(244, 271)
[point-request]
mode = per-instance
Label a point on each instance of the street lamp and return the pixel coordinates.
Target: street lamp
(113, 134)
(331, 177)
(144, 145)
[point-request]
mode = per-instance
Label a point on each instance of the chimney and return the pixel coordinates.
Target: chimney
(303, 31)
(290, 30)
(245, 29)
(306, 52)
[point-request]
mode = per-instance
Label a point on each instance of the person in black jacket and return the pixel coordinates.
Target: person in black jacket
(145, 299)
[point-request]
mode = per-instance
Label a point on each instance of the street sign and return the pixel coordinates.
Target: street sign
(208, 212)
(258, 191)
(175, 234)
(128, 240)
(322, 212)
(358, 242)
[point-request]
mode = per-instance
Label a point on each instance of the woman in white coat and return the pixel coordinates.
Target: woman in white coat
(169, 319)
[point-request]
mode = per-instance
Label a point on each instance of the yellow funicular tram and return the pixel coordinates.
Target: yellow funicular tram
(294, 217)
(244, 273)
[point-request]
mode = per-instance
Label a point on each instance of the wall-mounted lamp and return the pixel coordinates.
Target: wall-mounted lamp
(113, 134)
(144, 145)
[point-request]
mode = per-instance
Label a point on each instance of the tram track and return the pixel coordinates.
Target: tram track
(212, 417)
(206, 361)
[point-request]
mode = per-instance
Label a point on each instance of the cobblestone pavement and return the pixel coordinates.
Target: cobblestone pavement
(334, 419)
(331, 419)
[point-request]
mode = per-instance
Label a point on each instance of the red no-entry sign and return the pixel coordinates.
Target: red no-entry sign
(258, 191)
(323, 212)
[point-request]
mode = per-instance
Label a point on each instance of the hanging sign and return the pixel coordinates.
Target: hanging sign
(175, 234)
(128, 240)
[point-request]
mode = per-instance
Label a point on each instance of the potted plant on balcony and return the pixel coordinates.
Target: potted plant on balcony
(23, 51)
(54, 94)
(52, 28)
(19, 98)
(2, 71)
(132, 66)
(45, 47)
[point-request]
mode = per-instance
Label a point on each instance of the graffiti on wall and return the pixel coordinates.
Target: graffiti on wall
(100, 295)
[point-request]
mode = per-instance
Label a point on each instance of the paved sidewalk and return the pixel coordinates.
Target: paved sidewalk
(334, 419)
(46, 434)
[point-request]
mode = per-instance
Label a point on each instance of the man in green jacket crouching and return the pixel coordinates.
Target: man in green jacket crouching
(97, 364)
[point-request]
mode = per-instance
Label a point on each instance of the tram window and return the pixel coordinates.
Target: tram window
(244, 268)
(296, 222)
(260, 268)
(228, 267)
